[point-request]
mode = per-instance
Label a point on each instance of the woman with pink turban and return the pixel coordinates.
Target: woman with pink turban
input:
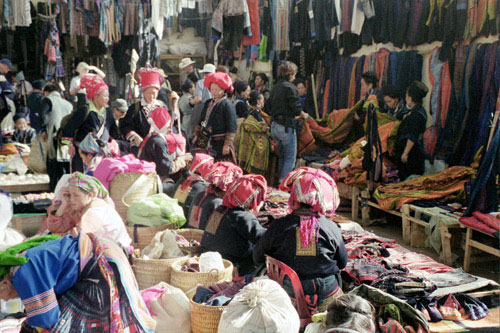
(233, 229)
(306, 240)
(90, 118)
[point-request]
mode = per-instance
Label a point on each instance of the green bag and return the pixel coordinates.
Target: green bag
(156, 210)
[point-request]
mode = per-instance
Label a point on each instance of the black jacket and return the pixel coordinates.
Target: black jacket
(284, 100)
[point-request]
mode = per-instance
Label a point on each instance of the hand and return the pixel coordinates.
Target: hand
(137, 141)
(64, 194)
(188, 157)
(304, 115)
(225, 150)
(404, 158)
(174, 95)
(71, 150)
(43, 137)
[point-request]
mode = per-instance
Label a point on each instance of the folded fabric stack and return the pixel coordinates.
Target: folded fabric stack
(486, 223)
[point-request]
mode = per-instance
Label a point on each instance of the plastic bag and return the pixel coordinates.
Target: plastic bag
(170, 309)
(163, 246)
(209, 261)
(155, 210)
(261, 306)
(8, 236)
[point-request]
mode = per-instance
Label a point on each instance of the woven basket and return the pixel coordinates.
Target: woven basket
(189, 280)
(38, 156)
(189, 235)
(152, 271)
(120, 184)
(142, 236)
(205, 318)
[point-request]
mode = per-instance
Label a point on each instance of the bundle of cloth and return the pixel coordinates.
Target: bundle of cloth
(486, 223)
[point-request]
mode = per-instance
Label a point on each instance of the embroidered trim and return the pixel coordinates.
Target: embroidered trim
(214, 221)
(302, 251)
(40, 303)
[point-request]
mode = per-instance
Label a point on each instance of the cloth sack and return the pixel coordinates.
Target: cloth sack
(261, 306)
(209, 261)
(8, 236)
(156, 210)
(169, 306)
(163, 246)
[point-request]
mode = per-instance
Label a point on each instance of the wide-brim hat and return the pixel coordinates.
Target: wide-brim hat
(186, 62)
(208, 68)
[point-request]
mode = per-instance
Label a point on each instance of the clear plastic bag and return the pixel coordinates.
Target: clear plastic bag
(209, 261)
(163, 246)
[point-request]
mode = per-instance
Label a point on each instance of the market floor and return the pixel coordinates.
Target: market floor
(391, 227)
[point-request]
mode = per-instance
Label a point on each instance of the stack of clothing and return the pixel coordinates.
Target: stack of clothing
(219, 294)
(486, 223)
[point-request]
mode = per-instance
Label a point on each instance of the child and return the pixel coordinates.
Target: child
(23, 132)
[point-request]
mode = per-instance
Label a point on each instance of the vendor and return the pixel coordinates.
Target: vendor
(284, 105)
(5, 68)
(221, 175)
(186, 189)
(233, 228)
(306, 240)
(261, 85)
(369, 82)
(217, 127)
(120, 108)
(409, 148)
(85, 207)
(92, 150)
(135, 125)
(73, 284)
(242, 90)
(166, 149)
(350, 313)
(75, 88)
(23, 132)
(87, 119)
(393, 103)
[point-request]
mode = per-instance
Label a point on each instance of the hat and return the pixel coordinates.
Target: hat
(93, 84)
(120, 104)
(160, 120)
(186, 62)
(246, 192)
(223, 80)
(202, 164)
(92, 145)
(6, 62)
(208, 68)
(19, 115)
(176, 143)
(149, 77)
(38, 84)
(223, 174)
(82, 67)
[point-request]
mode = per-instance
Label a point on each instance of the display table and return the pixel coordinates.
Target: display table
(470, 243)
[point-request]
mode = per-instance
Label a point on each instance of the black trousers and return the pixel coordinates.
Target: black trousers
(56, 170)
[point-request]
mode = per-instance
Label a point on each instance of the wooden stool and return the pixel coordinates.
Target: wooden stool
(470, 243)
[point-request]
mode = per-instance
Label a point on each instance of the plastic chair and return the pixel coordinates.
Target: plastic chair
(277, 270)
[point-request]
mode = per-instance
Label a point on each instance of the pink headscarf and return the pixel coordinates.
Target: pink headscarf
(246, 192)
(202, 164)
(93, 85)
(315, 188)
(223, 174)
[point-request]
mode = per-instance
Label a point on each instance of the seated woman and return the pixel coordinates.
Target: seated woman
(306, 240)
(166, 149)
(83, 209)
(409, 153)
(23, 133)
(350, 313)
(204, 204)
(187, 188)
(233, 229)
(92, 150)
(73, 284)
(253, 142)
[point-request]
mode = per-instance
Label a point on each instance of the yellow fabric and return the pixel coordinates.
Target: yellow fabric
(93, 108)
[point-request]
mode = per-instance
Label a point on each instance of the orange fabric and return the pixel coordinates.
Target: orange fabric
(338, 126)
(381, 65)
(325, 98)
(352, 86)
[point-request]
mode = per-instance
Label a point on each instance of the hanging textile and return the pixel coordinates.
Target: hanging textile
(253, 8)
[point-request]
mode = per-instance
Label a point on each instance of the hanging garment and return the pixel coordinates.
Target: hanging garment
(254, 39)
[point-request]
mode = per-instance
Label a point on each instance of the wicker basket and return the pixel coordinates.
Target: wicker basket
(205, 318)
(189, 280)
(189, 235)
(152, 271)
(142, 236)
(122, 182)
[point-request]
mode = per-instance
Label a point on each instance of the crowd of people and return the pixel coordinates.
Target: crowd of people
(211, 147)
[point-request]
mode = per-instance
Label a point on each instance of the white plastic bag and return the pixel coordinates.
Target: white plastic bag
(261, 306)
(209, 261)
(8, 236)
(171, 310)
(16, 163)
(163, 246)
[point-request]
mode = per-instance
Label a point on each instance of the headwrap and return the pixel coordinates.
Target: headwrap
(149, 77)
(159, 119)
(89, 184)
(223, 80)
(246, 192)
(93, 84)
(202, 164)
(90, 145)
(176, 143)
(315, 188)
(223, 174)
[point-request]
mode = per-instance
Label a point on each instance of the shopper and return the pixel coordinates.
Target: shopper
(242, 91)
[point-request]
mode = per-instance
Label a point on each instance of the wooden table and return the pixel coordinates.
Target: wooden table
(472, 243)
(26, 188)
(364, 203)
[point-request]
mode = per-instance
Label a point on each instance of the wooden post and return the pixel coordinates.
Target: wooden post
(365, 208)
(406, 223)
(354, 203)
(313, 85)
(468, 251)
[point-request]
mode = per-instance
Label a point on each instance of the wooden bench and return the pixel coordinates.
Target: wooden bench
(472, 243)
(410, 222)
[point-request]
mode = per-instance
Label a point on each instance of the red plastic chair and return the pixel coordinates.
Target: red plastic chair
(277, 270)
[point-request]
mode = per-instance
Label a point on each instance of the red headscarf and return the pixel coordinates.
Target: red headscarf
(149, 77)
(93, 84)
(159, 119)
(223, 174)
(246, 192)
(221, 79)
(202, 164)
